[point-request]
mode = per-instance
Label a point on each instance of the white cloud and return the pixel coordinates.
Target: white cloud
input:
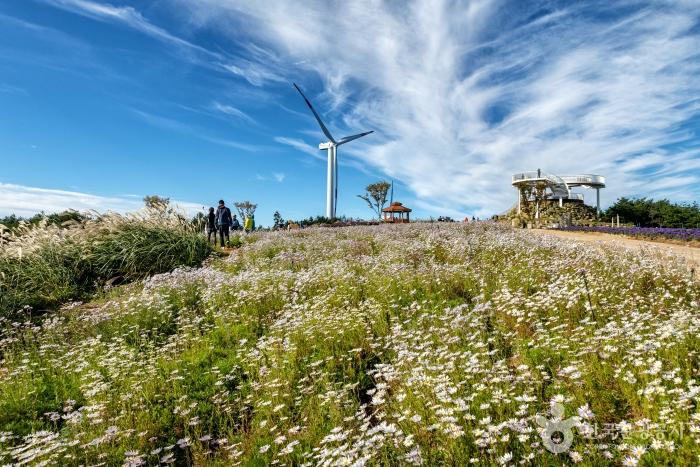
(26, 201)
(463, 94)
(232, 111)
(277, 176)
(257, 72)
(10, 89)
(128, 16)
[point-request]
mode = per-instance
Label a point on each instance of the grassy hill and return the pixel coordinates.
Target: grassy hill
(424, 343)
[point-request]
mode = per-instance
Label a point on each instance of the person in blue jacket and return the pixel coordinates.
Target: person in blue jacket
(223, 221)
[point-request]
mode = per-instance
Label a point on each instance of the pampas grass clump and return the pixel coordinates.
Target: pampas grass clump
(44, 265)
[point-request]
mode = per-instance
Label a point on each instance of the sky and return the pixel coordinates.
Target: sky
(103, 102)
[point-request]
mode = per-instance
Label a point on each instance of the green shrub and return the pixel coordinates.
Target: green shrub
(235, 242)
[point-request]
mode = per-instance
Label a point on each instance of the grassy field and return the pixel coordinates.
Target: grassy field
(412, 344)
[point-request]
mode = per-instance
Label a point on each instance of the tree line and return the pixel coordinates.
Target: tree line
(643, 212)
(646, 212)
(12, 222)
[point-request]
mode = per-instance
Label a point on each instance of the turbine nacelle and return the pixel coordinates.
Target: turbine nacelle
(345, 139)
(331, 146)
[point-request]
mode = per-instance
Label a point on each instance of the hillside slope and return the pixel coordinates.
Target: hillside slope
(434, 344)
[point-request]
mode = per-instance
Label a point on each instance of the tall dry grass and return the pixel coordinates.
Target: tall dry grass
(44, 265)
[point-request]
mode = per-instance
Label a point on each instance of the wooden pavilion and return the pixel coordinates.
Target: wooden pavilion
(394, 214)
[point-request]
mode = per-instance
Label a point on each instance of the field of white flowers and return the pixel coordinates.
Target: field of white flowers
(394, 345)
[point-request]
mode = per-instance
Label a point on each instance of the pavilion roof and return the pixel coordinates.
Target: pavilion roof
(396, 207)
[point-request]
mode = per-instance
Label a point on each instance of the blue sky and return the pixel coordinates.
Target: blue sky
(103, 102)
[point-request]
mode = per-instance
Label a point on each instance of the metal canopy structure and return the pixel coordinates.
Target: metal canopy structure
(331, 146)
(559, 186)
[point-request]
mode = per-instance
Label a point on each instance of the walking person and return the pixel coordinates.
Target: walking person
(211, 225)
(223, 221)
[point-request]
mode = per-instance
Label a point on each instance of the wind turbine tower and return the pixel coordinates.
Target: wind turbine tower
(331, 146)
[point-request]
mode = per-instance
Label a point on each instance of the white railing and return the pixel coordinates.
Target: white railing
(585, 179)
(526, 176)
(555, 183)
(537, 176)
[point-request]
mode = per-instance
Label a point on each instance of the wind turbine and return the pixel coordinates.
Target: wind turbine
(331, 146)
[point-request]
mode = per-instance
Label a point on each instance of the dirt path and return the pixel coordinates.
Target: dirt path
(691, 254)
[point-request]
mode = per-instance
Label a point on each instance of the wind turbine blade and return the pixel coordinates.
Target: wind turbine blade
(347, 139)
(318, 119)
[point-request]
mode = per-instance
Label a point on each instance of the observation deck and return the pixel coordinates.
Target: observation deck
(559, 186)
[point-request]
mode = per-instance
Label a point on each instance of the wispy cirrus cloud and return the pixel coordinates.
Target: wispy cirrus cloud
(10, 89)
(26, 201)
(255, 69)
(127, 16)
(255, 73)
(187, 129)
(276, 176)
(463, 94)
(300, 145)
(80, 61)
(233, 112)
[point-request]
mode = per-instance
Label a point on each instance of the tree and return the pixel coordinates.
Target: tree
(376, 196)
(156, 202)
(278, 221)
(245, 209)
(61, 219)
(66, 217)
(11, 222)
(646, 212)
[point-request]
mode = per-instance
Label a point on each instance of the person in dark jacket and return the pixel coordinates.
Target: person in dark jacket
(211, 225)
(235, 225)
(223, 221)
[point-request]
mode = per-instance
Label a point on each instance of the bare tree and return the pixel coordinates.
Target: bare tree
(245, 209)
(376, 196)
